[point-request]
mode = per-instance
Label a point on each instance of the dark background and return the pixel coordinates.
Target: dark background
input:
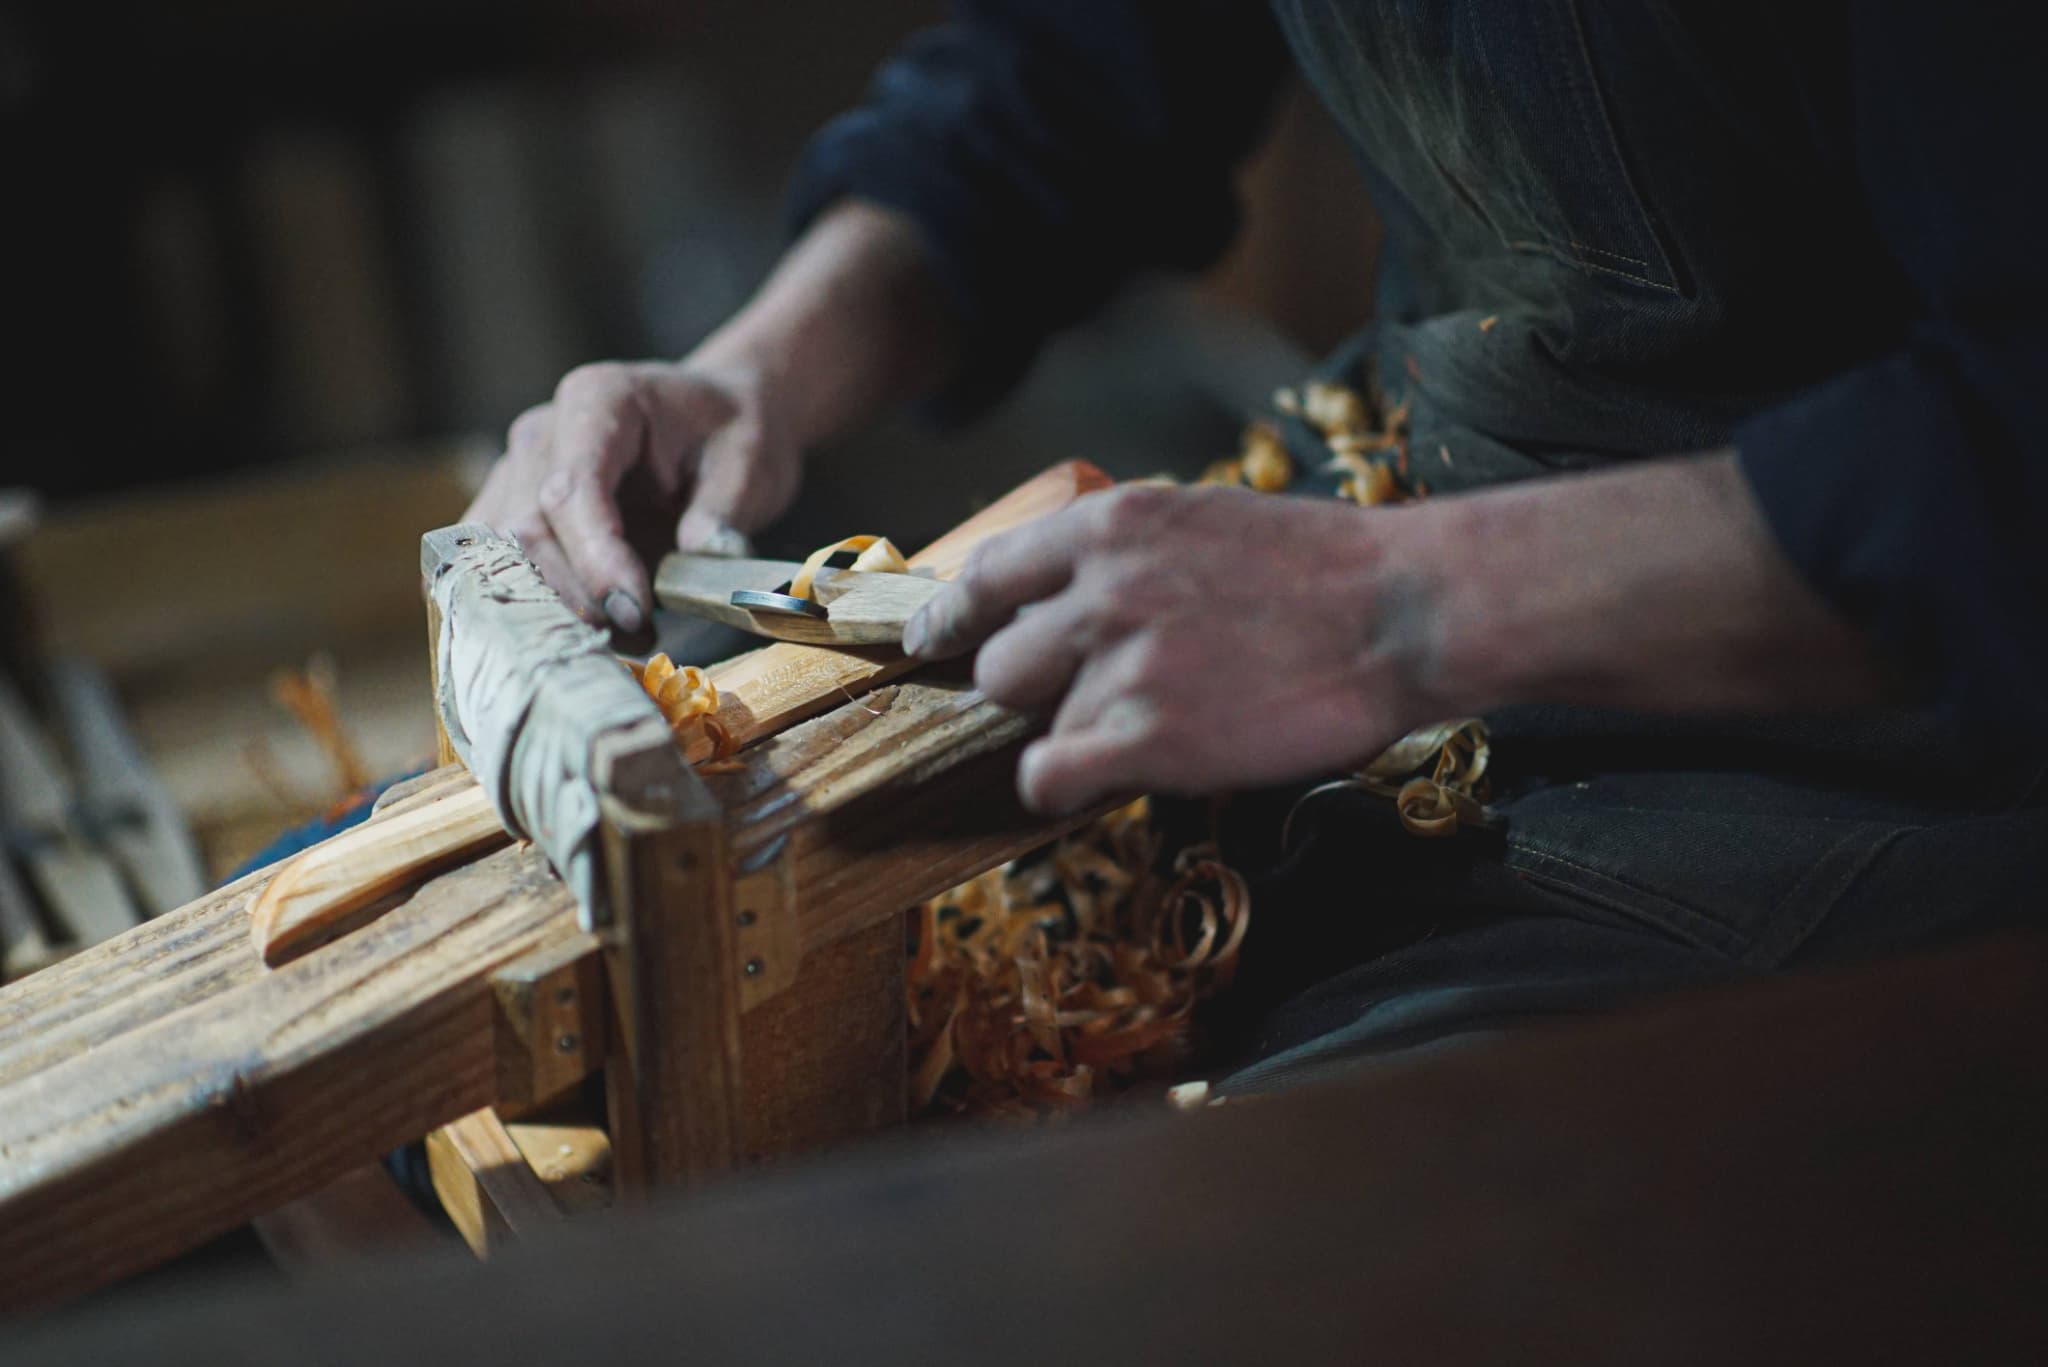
(242, 233)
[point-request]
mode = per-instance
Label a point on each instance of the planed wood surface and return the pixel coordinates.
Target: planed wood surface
(194, 1090)
(319, 889)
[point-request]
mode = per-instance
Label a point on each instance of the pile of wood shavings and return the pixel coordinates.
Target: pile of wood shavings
(1368, 442)
(1066, 974)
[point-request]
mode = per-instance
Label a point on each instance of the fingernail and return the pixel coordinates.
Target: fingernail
(1027, 773)
(624, 612)
(914, 635)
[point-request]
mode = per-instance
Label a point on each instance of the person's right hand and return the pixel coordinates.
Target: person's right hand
(629, 459)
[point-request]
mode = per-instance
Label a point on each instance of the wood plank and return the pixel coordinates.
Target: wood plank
(319, 890)
(572, 1156)
(882, 804)
(825, 1059)
(486, 1185)
(551, 1022)
(191, 1122)
(674, 1078)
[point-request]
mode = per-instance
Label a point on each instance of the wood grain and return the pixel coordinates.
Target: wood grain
(673, 1081)
(228, 1099)
(318, 890)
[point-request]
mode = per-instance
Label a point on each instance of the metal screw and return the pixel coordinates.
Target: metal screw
(753, 968)
(746, 918)
(568, 1044)
(565, 996)
(465, 541)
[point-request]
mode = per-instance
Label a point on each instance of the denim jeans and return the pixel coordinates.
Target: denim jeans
(1634, 855)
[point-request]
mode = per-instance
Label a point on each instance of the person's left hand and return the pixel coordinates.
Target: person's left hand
(1190, 640)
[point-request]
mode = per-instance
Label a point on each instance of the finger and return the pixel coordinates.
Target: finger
(1069, 770)
(736, 492)
(514, 476)
(598, 431)
(1030, 663)
(547, 557)
(1003, 574)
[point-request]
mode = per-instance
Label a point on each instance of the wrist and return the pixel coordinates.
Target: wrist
(1655, 587)
(848, 324)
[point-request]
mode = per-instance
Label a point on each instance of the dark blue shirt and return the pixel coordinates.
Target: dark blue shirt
(1809, 231)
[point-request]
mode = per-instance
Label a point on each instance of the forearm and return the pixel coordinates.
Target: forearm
(851, 323)
(1657, 587)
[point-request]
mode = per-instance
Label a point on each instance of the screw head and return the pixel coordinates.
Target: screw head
(567, 1044)
(746, 918)
(753, 968)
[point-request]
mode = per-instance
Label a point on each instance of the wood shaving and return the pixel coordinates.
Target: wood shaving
(1065, 975)
(688, 699)
(876, 555)
(1435, 777)
(308, 694)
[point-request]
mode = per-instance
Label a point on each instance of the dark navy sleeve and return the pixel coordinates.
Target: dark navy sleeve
(1912, 492)
(1050, 148)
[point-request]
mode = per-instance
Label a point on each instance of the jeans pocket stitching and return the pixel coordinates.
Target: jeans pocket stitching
(1639, 904)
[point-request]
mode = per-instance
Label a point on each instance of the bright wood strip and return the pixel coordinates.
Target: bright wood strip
(319, 889)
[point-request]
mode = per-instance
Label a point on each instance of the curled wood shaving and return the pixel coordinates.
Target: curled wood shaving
(688, 699)
(1435, 777)
(1066, 974)
(308, 694)
(877, 555)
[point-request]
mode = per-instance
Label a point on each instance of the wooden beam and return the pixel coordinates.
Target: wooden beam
(242, 1089)
(885, 803)
(674, 1077)
(551, 1021)
(486, 1185)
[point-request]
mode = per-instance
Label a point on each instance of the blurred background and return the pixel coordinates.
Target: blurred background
(278, 277)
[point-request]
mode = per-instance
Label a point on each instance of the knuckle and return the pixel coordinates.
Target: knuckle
(1131, 510)
(591, 384)
(529, 427)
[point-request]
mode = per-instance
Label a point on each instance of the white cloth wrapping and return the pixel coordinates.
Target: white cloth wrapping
(525, 689)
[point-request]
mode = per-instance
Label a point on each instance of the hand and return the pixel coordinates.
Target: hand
(1193, 640)
(1189, 640)
(593, 482)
